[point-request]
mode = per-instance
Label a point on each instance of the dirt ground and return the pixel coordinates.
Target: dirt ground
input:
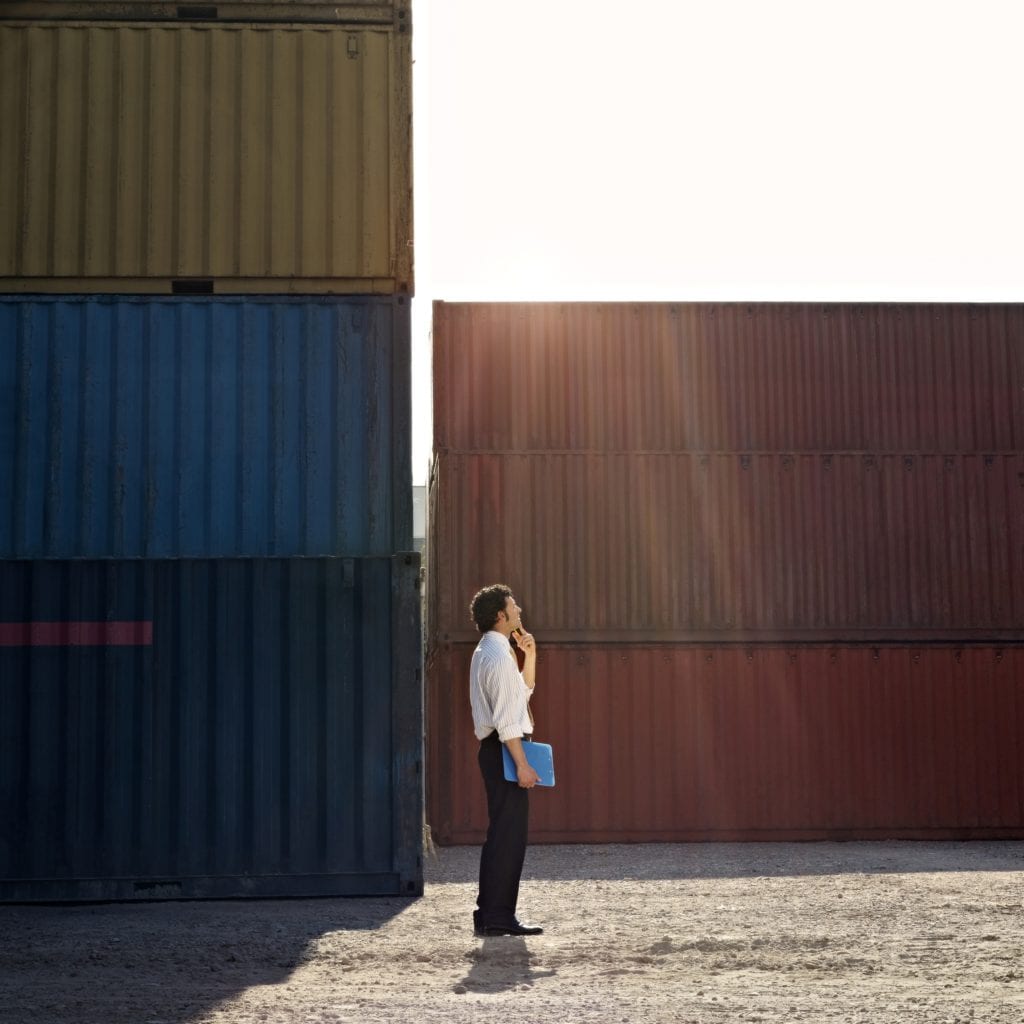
(851, 932)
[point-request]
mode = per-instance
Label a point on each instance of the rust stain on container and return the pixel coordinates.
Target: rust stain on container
(228, 156)
(684, 743)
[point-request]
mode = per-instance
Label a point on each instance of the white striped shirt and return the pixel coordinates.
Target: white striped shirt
(497, 691)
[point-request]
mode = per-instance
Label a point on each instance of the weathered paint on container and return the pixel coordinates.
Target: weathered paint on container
(687, 547)
(696, 377)
(210, 156)
(214, 427)
(689, 743)
(262, 737)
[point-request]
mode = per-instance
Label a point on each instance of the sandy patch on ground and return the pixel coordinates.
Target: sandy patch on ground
(852, 932)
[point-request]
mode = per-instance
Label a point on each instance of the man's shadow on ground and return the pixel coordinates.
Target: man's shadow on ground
(501, 964)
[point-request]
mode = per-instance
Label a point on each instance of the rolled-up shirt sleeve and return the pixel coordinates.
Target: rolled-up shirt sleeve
(509, 696)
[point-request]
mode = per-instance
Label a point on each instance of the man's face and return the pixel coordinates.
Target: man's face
(512, 612)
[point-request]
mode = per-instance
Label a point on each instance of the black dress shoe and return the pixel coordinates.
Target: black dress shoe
(518, 928)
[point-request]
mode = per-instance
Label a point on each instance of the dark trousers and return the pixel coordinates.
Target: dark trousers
(501, 860)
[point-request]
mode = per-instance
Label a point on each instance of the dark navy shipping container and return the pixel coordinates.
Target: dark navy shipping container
(210, 728)
(204, 427)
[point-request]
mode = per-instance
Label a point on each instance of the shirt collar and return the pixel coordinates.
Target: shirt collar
(498, 641)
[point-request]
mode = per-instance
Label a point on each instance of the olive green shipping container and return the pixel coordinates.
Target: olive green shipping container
(205, 148)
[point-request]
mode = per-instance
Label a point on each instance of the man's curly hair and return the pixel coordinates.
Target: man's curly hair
(487, 603)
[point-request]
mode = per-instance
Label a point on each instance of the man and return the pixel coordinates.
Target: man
(500, 697)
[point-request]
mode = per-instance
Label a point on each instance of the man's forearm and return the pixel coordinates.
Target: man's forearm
(515, 748)
(530, 671)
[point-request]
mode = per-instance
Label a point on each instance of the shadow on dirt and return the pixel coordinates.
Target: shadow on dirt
(161, 963)
(502, 964)
(666, 861)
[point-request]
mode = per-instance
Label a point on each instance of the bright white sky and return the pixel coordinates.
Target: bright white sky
(718, 150)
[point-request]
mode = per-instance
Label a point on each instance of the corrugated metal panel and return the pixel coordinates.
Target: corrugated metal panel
(230, 156)
(691, 743)
(265, 739)
(205, 427)
(731, 377)
(687, 547)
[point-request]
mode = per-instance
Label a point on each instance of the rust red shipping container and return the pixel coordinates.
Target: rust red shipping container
(774, 556)
(687, 547)
(686, 743)
(740, 377)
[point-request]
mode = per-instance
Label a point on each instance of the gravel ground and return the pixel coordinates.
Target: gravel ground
(850, 932)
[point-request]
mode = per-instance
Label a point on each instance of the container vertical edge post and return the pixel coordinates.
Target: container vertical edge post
(407, 722)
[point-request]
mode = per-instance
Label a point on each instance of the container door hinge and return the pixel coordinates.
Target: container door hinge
(353, 47)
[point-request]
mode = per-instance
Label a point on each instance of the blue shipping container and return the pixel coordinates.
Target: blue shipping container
(204, 427)
(216, 728)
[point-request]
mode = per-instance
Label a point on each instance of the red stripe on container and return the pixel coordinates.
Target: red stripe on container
(76, 634)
